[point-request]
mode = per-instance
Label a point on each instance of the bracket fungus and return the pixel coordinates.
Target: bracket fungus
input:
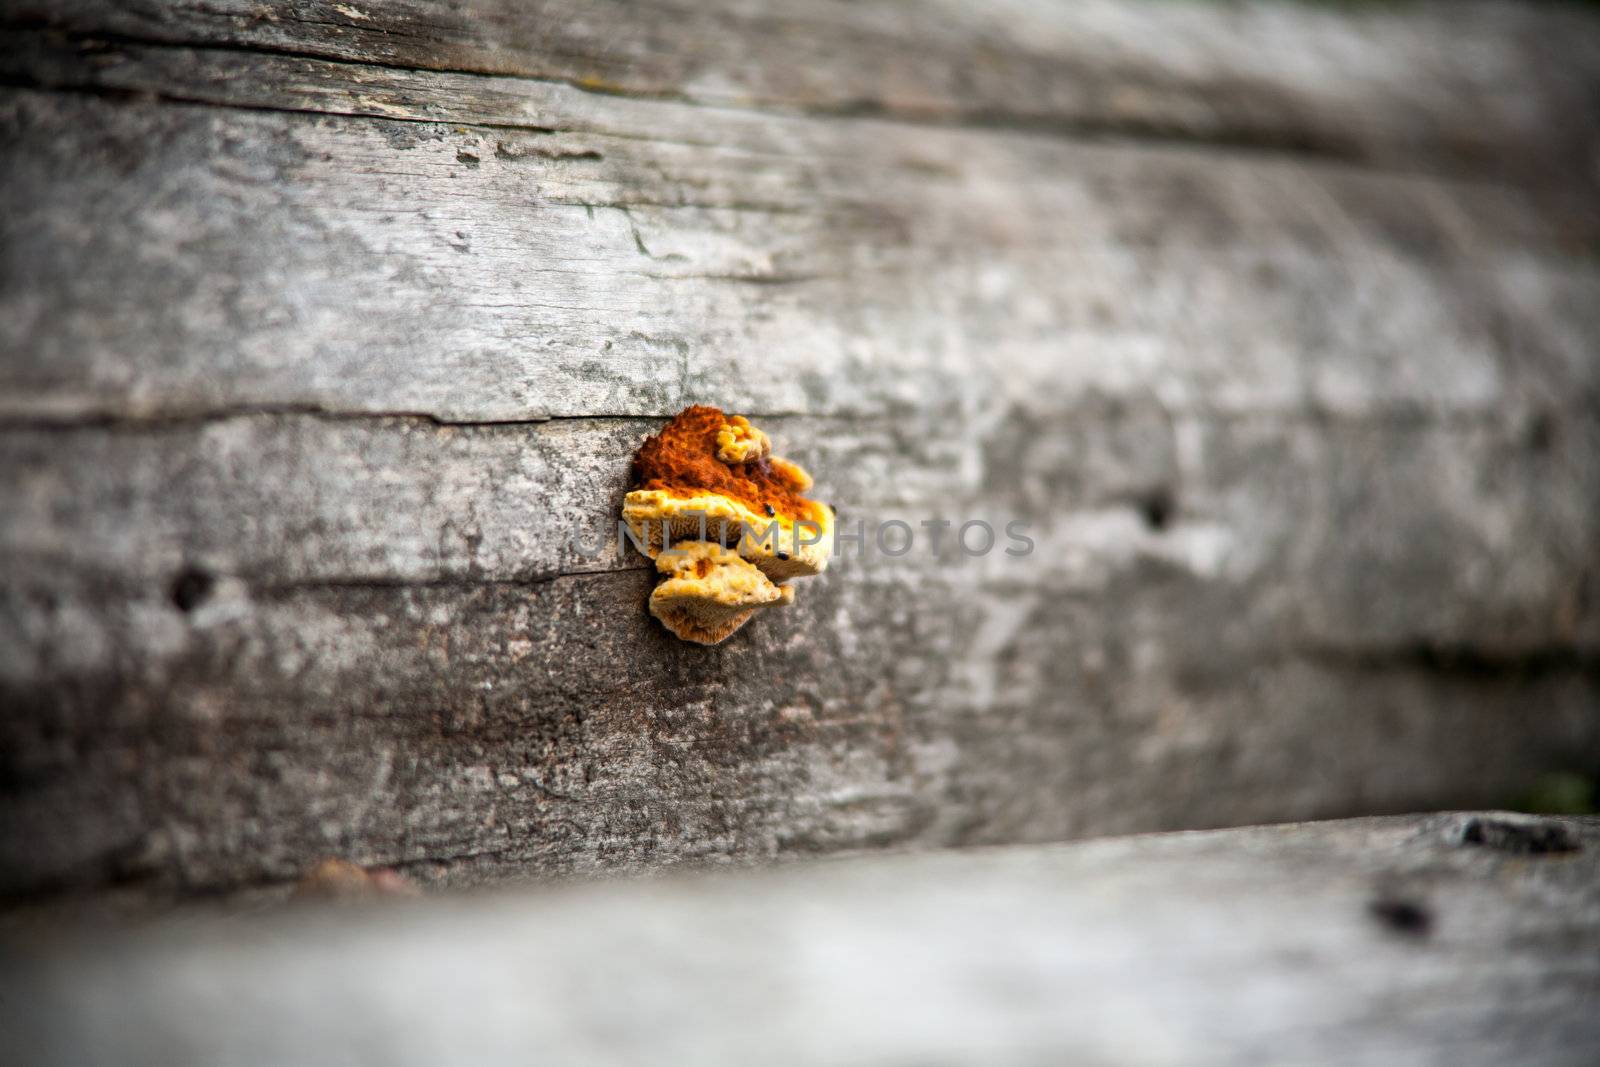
(725, 522)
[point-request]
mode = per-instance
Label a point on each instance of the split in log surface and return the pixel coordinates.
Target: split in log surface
(1278, 325)
(1460, 940)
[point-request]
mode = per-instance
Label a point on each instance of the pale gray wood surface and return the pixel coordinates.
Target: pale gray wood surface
(1394, 941)
(1492, 86)
(1289, 359)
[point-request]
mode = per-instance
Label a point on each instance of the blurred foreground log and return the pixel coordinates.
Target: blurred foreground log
(1459, 940)
(1277, 325)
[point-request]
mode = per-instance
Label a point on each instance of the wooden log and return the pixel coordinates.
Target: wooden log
(396, 655)
(217, 260)
(1476, 85)
(1460, 939)
(313, 326)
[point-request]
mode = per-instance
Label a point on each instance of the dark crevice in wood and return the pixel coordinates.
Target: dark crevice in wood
(1156, 508)
(1474, 660)
(745, 279)
(447, 860)
(192, 588)
(174, 419)
(184, 419)
(1523, 836)
(169, 96)
(1405, 916)
(454, 581)
(678, 205)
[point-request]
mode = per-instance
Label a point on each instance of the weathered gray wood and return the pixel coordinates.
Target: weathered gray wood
(403, 662)
(1368, 942)
(282, 320)
(218, 259)
(1488, 86)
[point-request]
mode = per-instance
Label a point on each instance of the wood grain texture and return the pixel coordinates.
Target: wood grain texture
(214, 259)
(402, 660)
(317, 336)
(1479, 85)
(1367, 942)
